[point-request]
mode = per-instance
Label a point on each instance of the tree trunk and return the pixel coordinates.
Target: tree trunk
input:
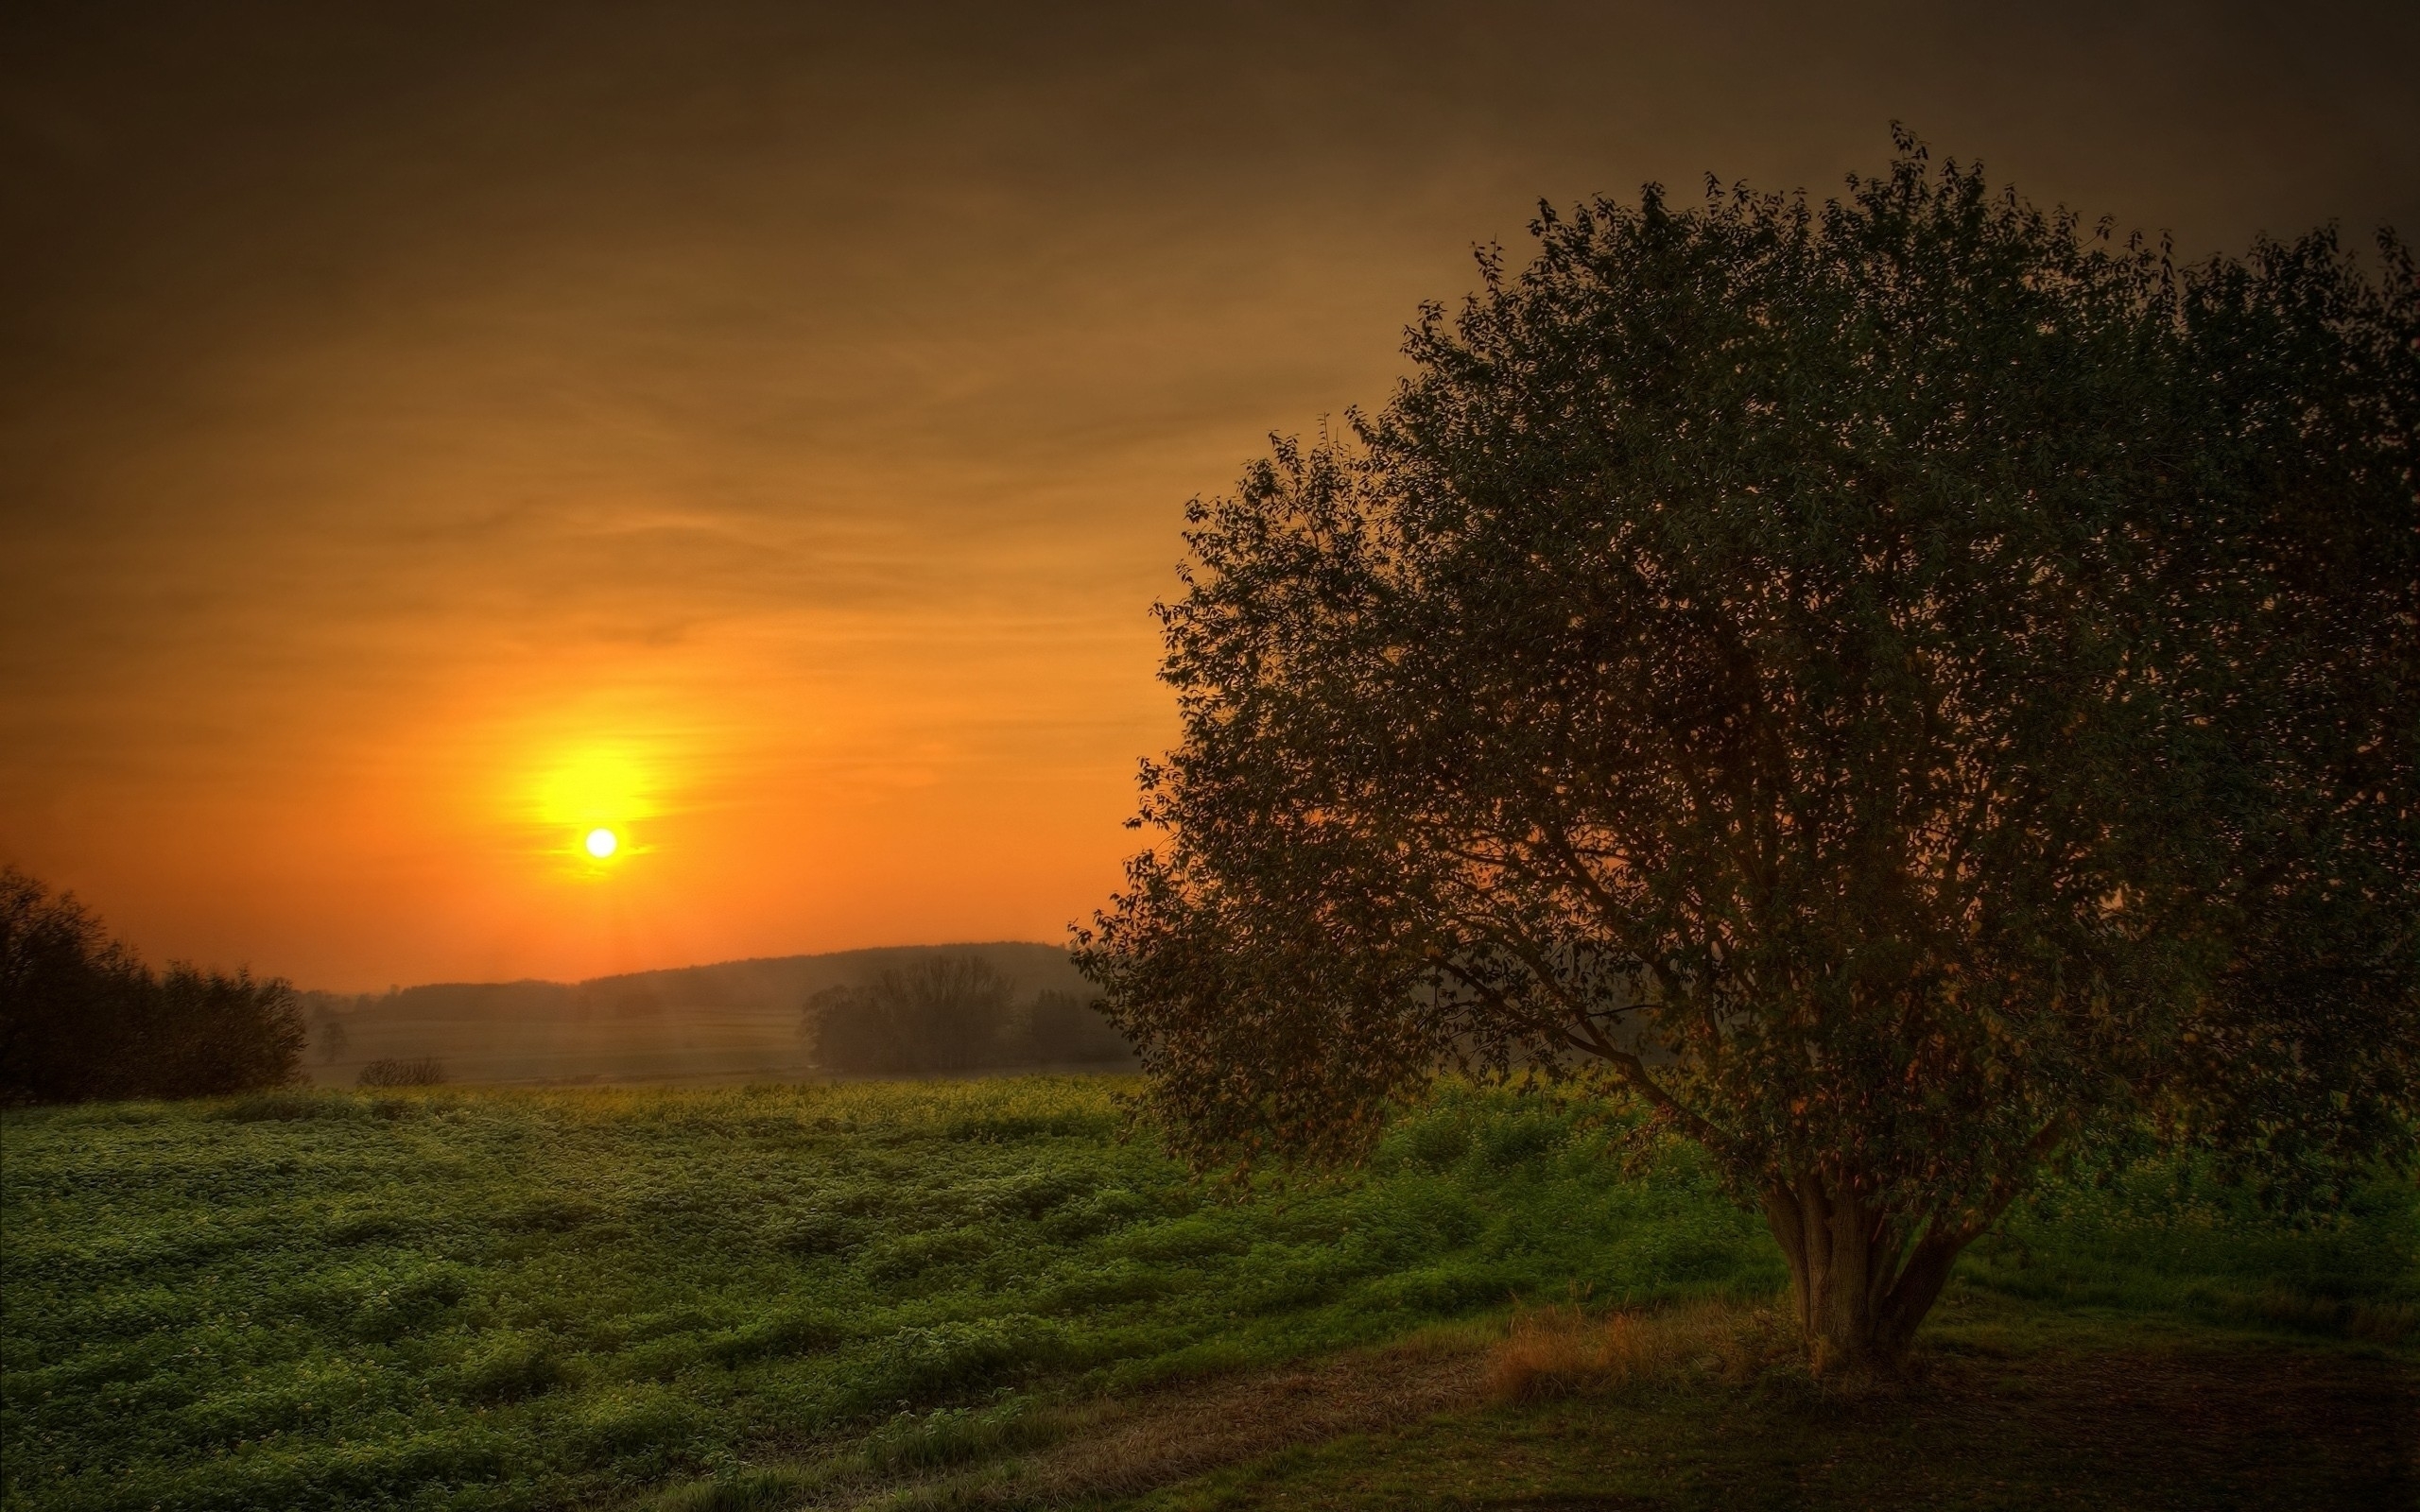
(1860, 1286)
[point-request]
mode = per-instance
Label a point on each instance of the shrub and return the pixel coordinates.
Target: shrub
(1557, 1350)
(419, 1071)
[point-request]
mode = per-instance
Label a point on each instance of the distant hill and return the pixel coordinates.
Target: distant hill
(732, 1020)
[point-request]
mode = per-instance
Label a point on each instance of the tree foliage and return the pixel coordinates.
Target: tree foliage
(1899, 685)
(82, 1017)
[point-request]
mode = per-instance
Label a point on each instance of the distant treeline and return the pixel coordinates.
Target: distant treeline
(81, 1016)
(952, 1012)
(777, 984)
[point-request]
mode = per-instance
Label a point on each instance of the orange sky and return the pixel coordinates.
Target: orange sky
(426, 425)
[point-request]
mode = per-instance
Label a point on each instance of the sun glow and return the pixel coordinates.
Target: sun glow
(589, 798)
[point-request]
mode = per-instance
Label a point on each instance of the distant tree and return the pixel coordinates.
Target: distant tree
(332, 1036)
(1054, 1028)
(1897, 686)
(82, 1017)
(946, 1012)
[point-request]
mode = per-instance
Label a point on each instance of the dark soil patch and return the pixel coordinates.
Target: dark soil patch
(2118, 1419)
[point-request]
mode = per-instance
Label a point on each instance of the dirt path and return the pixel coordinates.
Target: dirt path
(1125, 1447)
(1186, 1433)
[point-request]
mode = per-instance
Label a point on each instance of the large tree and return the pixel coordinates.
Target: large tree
(1899, 686)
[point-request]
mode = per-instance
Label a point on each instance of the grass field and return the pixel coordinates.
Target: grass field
(767, 1297)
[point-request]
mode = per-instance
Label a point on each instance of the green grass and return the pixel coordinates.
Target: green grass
(458, 1300)
(2163, 1237)
(510, 1299)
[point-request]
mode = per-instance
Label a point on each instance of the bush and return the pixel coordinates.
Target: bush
(419, 1071)
(1554, 1351)
(82, 1017)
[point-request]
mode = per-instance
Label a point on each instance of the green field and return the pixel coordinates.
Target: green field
(777, 1295)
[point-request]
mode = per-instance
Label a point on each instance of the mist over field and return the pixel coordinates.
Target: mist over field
(732, 1021)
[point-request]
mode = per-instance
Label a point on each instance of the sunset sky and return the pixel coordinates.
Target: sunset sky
(429, 433)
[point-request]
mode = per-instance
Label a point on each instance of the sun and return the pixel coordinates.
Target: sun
(585, 805)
